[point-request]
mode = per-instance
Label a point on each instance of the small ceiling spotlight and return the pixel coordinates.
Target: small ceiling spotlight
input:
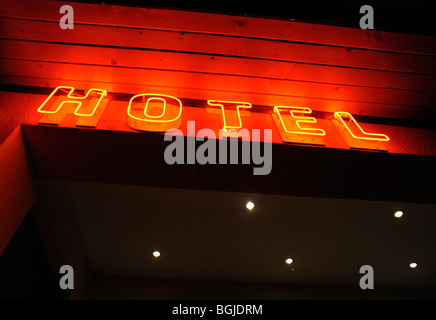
(413, 265)
(249, 205)
(156, 254)
(398, 214)
(289, 261)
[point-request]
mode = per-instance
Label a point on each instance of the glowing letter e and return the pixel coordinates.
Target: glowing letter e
(154, 112)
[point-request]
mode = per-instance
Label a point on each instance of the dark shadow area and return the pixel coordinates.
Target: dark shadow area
(25, 272)
(413, 17)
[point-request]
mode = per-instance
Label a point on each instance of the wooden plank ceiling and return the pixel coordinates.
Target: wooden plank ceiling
(210, 56)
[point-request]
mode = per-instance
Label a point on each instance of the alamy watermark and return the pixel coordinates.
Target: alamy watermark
(67, 20)
(209, 153)
(367, 280)
(367, 20)
(67, 280)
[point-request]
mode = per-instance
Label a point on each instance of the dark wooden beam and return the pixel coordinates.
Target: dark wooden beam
(138, 159)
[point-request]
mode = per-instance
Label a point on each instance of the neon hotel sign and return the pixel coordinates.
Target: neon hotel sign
(159, 113)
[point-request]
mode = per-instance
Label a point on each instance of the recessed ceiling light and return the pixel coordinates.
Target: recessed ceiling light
(289, 261)
(398, 214)
(413, 265)
(156, 254)
(249, 205)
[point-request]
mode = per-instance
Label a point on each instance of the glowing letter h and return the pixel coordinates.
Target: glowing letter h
(61, 102)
